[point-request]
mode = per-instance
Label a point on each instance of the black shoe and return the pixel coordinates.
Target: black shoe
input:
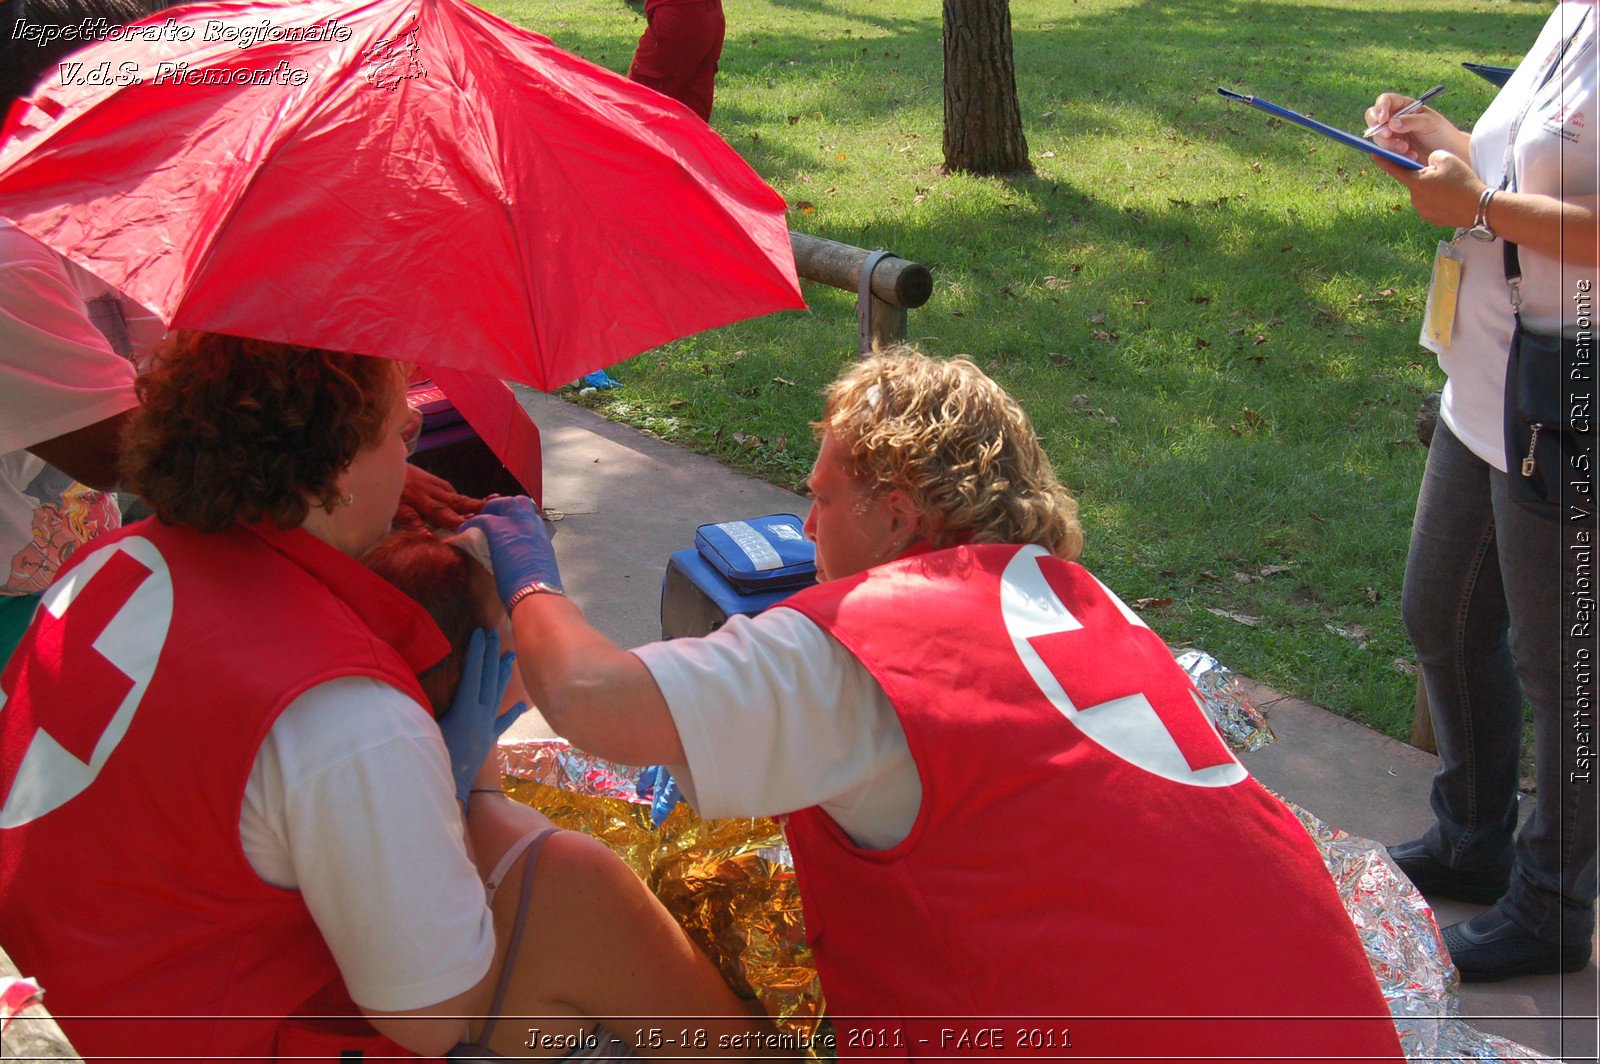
(1435, 879)
(1491, 946)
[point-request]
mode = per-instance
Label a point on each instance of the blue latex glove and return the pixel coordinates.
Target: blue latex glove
(657, 784)
(600, 380)
(519, 544)
(469, 726)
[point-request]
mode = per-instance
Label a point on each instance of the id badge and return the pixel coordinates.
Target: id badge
(1438, 322)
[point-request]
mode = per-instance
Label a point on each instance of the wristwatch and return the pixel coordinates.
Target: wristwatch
(1480, 225)
(538, 587)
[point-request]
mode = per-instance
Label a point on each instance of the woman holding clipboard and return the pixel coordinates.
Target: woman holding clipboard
(1495, 583)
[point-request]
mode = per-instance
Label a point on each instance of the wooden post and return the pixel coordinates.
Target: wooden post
(889, 324)
(1422, 721)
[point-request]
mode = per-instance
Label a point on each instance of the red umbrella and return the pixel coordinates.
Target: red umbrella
(415, 179)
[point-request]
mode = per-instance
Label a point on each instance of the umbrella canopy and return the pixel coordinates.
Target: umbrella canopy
(414, 179)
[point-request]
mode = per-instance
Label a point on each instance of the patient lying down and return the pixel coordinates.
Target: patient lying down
(596, 950)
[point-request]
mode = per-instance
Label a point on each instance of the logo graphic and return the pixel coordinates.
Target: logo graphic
(394, 59)
(96, 641)
(1169, 735)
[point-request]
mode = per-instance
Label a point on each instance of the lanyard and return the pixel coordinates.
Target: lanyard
(1508, 167)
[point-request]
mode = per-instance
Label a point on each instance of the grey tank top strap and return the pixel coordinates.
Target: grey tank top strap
(479, 1050)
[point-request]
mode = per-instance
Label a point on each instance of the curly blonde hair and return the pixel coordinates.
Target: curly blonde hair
(957, 444)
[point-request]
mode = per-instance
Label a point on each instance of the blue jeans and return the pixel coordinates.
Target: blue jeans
(1490, 602)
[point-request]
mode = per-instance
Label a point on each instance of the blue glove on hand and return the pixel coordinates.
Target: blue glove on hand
(519, 545)
(657, 784)
(469, 726)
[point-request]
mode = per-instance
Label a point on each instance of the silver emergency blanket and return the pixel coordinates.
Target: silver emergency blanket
(1242, 724)
(1402, 941)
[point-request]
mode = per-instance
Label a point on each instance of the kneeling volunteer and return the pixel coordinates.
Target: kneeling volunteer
(1002, 794)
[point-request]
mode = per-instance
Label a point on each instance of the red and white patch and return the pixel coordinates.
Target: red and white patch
(1169, 735)
(97, 638)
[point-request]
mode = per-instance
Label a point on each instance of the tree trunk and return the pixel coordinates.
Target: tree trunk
(982, 122)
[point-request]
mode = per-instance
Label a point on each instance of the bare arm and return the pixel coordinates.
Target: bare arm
(1446, 193)
(599, 946)
(433, 1029)
(591, 691)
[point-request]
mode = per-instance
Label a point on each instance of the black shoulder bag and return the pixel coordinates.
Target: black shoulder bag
(1549, 418)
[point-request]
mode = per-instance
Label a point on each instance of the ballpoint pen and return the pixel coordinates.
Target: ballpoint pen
(1410, 108)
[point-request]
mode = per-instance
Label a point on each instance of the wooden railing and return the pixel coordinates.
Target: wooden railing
(886, 285)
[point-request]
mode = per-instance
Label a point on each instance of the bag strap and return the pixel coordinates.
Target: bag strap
(1513, 267)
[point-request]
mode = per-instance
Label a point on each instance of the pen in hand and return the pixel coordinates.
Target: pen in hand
(1410, 108)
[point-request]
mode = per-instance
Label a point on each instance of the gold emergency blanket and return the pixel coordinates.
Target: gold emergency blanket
(730, 883)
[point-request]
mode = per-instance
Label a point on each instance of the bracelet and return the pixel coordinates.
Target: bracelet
(486, 790)
(536, 588)
(1480, 225)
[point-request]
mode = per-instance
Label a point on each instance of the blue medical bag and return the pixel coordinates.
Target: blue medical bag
(736, 567)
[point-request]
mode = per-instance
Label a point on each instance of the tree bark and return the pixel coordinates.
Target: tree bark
(982, 121)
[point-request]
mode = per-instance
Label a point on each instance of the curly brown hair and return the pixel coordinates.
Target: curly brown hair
(952, 439)
(231, 430)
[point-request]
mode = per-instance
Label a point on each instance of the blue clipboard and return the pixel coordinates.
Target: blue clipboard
(1339, 135)
(1494, 75)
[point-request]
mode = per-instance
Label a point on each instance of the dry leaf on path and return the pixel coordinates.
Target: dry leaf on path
(1245, 619)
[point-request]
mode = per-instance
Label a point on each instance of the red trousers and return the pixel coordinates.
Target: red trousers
(677, 56)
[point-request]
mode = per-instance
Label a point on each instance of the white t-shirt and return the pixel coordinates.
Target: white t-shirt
(1555, 155)
(58, 373)
(351, 802)
(777, 716)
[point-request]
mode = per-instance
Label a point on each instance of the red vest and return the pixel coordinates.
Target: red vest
(1088, 853)
(133, 711)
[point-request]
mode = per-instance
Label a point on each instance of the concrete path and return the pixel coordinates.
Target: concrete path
(630, 500)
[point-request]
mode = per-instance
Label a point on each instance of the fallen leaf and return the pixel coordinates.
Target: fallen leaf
(1240, 331)
(1245, 578)
(1057, 282)
(1248, 620)
(1260, 339)
(1199, 299)
(1080, 400)
(1047, 155)
(1057, 357)
(785, 381)
(1354, 631)
(1274, 570)
(806, 207)
(1211, 576)
(918, 199)
(1371, 594)
(1103, 336)
(1318, 518)
(1386, 293)
(675, 404)
(1098, 317)
(1151, 603)
(1201, 343)
(793, 119)
(1404, 666)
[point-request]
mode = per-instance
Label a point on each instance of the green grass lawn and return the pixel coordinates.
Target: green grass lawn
(1211, 317)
